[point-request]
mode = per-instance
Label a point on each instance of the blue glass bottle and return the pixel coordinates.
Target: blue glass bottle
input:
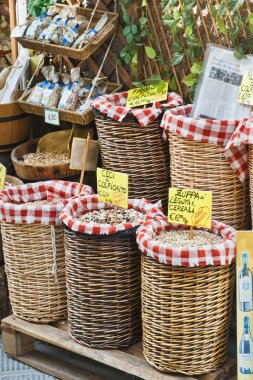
(246, 349)
(245, 285)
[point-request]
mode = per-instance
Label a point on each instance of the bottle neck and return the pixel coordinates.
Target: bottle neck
(246, 331)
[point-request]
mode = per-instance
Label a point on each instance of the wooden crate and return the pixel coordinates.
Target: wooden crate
(19, 342)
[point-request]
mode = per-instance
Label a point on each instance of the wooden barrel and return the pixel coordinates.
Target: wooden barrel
(14, 126)
(38, 173)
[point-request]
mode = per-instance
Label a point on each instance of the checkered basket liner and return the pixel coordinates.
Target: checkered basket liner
(114, 106)
(83, 204)
(217, 132)
(14, 210)
(217, 254)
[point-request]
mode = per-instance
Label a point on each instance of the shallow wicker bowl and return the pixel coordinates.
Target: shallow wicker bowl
(38, 173)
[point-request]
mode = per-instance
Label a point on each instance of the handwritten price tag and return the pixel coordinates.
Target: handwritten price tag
(147, 94)
(246, 89)
(190, 207)
(2, 176)
(112, 187)
(52, 117)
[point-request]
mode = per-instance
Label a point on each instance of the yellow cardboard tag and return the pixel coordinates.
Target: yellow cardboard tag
(2, 176)
(190, 207)
(112, 187)
(246, 89)
(244, 270)
(147, 94)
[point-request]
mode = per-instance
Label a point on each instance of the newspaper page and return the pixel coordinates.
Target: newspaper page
(219, 86)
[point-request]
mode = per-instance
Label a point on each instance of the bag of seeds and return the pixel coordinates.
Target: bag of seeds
(37, 93)
(70, 95)
(88, 36)
(52, 93)
(72, 29)
(40, 23)
(67, 14)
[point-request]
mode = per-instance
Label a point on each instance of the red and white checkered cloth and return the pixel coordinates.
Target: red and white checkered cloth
(218, 254)
(114, 106)
(14, 210)
(83, 204)
(217, 132)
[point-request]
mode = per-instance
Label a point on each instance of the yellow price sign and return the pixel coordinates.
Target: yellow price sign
(190, 207)
(147, 94)
(246, 89)
(2, 176)
(112, 187)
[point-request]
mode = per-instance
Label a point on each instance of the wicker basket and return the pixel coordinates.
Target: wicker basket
(103, 288)
(5, 308)
(73, 117)
(38, 173)
(186, 316)
(138, 151)
(250, 159)
(85, 52)
(15, 181)
(36, 294)
(206, 165)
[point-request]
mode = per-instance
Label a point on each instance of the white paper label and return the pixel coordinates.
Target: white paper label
(246, 362)
(245, 289)
(52, 117)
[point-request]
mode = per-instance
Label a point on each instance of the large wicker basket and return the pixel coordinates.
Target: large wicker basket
(138, 151)
(186, 310)
(206, 165)
(14, 181)
(38, 173)
(87, 50)
(36, 294)
(103, 288)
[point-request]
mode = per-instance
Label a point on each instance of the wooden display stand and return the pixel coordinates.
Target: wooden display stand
(19, 337)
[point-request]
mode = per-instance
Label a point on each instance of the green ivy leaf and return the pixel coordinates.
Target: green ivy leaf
(151, 53)
(135, 59)
(221, 25)
(129, 38)
(126, 18)
(177, 58)
(188, 30)
(250, 18)
(190, 80)
(239, 53)
(213, 10)
(196, 68)
(170, 4)
(127, 58)
(126, 30)
(173, 84)
(134, 29)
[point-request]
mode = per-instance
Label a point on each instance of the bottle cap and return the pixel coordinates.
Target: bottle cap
(245, 258)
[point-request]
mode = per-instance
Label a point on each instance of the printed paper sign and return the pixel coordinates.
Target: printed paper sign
(244, 270)
(147, 94)
(246, 89)
(112, 187)
(52, 117)
(78, 153)
(2, 176)
(190, 207)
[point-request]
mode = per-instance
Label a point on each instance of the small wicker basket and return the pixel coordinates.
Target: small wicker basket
(85, 52)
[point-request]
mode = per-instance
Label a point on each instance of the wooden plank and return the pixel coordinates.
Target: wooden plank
(15, 343)
(56, 367)
(13, 23)
(120, 360)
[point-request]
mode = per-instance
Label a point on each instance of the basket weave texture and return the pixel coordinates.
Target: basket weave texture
(206, 165)
(85, 52)
(103, 288)
(36, 293)
(16, 181)
(186, 316)
(139, 152)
